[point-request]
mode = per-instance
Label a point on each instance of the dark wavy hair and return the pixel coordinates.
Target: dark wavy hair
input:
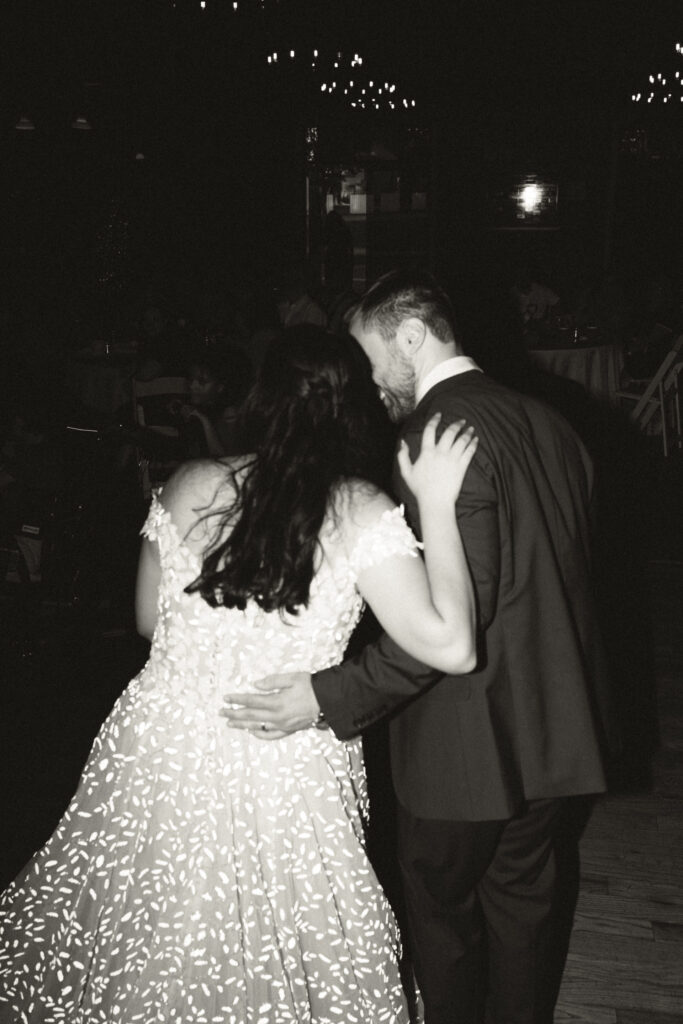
(312, 419)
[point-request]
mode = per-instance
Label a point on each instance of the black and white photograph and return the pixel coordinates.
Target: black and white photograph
(341, 512)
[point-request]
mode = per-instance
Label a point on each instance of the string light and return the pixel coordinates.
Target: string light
(358, 93)
(659, 92)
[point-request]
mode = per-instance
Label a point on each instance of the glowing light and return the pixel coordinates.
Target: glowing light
(530, 197)
(291, 54)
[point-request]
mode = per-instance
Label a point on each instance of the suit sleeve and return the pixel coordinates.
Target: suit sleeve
(383, 677)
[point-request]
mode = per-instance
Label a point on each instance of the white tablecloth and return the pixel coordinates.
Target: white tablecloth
(596, 368)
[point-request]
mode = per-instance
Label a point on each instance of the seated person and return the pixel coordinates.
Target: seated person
(534, 301)
(217, 383)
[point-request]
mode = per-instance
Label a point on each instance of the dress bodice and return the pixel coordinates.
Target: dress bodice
(200, 650)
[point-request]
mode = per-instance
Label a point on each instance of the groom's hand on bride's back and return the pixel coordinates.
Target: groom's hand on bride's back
(283, 704)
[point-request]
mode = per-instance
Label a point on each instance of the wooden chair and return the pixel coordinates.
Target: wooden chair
(656, 401)
(152, 470)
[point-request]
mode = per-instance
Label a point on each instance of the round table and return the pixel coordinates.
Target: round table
(596, 367)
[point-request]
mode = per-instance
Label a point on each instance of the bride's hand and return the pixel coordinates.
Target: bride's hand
(439, 470)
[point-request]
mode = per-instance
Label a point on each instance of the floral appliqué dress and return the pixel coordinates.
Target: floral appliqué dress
(200, 875)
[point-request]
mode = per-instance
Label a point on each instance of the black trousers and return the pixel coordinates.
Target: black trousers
(479, 897)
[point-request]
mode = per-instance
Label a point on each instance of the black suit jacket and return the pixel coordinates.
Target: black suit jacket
(525, 723)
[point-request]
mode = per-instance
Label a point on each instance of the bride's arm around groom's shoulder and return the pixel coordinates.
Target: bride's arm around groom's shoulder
(427, 609)
(432, 618)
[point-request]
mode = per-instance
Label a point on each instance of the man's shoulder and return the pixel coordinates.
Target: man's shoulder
(483, 401)
(472, 386)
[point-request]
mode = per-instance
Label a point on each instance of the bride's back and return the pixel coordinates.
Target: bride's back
(196, 646)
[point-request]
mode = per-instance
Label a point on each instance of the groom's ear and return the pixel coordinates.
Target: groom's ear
(410, 336)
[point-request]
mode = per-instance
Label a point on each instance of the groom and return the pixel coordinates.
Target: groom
(481, 763)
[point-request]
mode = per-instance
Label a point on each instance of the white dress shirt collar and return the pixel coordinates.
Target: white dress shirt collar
(442, 371)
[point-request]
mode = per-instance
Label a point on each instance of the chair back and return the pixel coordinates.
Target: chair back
(155, 416)
(657, 407)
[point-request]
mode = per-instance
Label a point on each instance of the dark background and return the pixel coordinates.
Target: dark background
(503, 89)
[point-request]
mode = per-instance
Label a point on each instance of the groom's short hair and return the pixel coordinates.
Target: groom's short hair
(400, 294)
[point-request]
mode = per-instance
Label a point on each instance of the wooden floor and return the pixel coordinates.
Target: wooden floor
(625, 962)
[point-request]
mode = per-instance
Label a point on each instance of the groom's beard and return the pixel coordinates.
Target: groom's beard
(398, 396)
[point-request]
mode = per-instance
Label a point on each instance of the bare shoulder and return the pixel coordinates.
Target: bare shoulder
(200, 489)
(358, 505)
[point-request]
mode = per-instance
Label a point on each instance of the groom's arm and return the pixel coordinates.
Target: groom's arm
(366, 688)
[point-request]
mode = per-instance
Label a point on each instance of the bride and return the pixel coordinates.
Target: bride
(200, 875)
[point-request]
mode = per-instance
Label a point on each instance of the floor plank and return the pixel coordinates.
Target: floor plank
(637, 1017)
(575, 1014)
(625, 961)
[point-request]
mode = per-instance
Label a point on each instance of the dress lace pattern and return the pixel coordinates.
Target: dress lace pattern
(199, 875)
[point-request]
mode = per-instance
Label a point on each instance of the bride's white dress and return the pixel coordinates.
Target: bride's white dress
(200, 875)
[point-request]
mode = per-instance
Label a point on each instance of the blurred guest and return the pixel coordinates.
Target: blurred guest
(217, 384)
(337, 250)
(534, 301)
(295, 304)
